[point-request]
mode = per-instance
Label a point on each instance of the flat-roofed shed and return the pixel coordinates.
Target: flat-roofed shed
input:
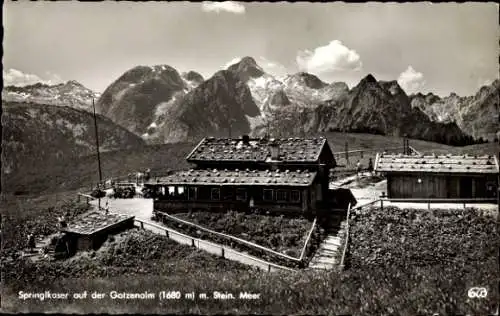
(91, 229)
(439, 176)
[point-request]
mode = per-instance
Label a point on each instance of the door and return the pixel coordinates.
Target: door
(465, 187)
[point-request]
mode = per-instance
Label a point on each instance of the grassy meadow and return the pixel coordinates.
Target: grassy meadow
(37, 195)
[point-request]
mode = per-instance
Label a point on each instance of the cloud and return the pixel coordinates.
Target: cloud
(328, 59)
(411, 80)
(14, 77)
(272, 67)
(232, 62)
(227, 6)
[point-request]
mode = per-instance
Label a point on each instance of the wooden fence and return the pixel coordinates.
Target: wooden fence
(129, 180)
(430, 201)
(381, 200)
(248, 243)
(346, 242)
(361, 153)
(217, 249)
(87, 197)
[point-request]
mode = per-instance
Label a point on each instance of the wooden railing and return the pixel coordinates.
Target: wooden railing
(245, 242)
(86, 196)
(361, 151)
(416, 152)
(403, 200)
(126, 180)
(348, 230)
(223, 251)
(429, 201)
(346, 243)
(313, 226)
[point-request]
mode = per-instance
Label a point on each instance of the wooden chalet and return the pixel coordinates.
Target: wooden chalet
(440, 177)
(289, 175)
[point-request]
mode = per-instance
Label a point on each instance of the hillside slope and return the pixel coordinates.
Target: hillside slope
(37, 136)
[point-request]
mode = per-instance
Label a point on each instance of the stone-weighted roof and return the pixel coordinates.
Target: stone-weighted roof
(437, 164)
(92, 222)
(257, 150)
(239, 177)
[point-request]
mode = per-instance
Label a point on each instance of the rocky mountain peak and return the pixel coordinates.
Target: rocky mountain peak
(393, 87)
(368, 79)
(193, 76)
(246, 68)
(309, 80)
(71, 93)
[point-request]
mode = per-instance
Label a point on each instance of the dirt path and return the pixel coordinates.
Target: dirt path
(141, 208)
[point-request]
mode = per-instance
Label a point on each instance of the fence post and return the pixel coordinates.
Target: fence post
(268, 268)
(142, 225)
(428, 205)
(192, 242)
(347, 152)
(222, 252)
(361, 154)
(381, 204)
(166, 233)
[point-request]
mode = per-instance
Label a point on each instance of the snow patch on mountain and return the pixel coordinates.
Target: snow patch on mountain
(71, 93)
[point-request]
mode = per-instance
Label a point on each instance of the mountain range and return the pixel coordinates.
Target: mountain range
(161, 105)
(157, 104)
(71, 93)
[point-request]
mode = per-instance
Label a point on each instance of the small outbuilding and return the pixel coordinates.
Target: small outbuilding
(439, 176)
(91, 230)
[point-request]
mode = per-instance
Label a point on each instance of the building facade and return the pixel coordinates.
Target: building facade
(278, 175)
(439, 177)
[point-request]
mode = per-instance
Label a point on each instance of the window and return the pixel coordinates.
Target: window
(268, 195)
(171, 190)
(227, 194)
(180, 190)
(295, 196)
(281, 195)
(215, 194)
(241, 194)
(192, 193)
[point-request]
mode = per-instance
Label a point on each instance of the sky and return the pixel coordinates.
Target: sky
(439, 48)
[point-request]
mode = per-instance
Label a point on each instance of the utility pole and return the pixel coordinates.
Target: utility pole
(405, 150)
(98, 156)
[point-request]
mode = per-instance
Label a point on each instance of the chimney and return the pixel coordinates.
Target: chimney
(275, 150)
(245, 139)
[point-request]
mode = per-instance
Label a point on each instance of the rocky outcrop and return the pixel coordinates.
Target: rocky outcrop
(476, 115)
(132, 101)
(71, 93)
(217, 107)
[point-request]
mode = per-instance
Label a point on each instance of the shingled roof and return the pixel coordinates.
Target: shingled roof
(239, 177)
(436, 164)
(257, 150)
(92, 222)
